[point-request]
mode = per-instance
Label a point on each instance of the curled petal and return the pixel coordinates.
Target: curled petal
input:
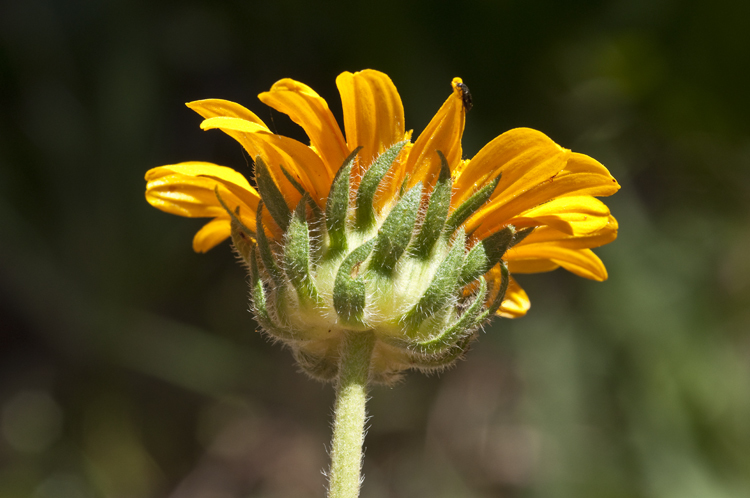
(213, 233)
(184, 196)
(579, 177)
(277, 151)
(238, 128)
(547, 248)
(373, 114)
(199, 168)
(575, 215)
(582, 262)
(549, 235)
(188, 189)
(211, 108)
(309, 110)
(516, 302)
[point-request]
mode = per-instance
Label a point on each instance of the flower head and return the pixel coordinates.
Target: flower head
(367, 230)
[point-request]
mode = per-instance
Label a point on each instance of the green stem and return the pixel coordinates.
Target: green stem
(349, 417)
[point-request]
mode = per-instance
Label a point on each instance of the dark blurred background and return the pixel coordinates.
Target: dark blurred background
(130, 366)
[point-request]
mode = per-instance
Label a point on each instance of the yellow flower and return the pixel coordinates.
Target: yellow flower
(542, 196)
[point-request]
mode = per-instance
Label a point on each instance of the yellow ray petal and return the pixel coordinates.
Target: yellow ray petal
(516, 302)
(373, 115)
(523, 156)
(579, 177)
(237, 128)
(577, 215)
(184, 196)
(549, 235)
(211, 108)
(589, 176)
(213, 233)
(309, 110)
(531, 265)
(233, 180)
(276, 150)
(198, 168)
(231, 112)
(443, 133)
(582, 262)
(187, 189)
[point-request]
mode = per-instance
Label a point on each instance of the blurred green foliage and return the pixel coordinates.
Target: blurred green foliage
(130, 367)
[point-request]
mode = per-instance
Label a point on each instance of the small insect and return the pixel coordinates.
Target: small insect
(465, 96)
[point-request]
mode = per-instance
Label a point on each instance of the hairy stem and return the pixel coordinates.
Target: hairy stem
(349, 417)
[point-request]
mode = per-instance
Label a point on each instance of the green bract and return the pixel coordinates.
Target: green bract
(410, 275)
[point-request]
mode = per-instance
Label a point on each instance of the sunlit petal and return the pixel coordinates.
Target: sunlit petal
(443, 134)
(578, 215)
(309, 110)
(185, 190)
(522, 156)
(199, 168)
(373, 114)
(298, 159)
(210, 108)
(578, 177)
(549, 235)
